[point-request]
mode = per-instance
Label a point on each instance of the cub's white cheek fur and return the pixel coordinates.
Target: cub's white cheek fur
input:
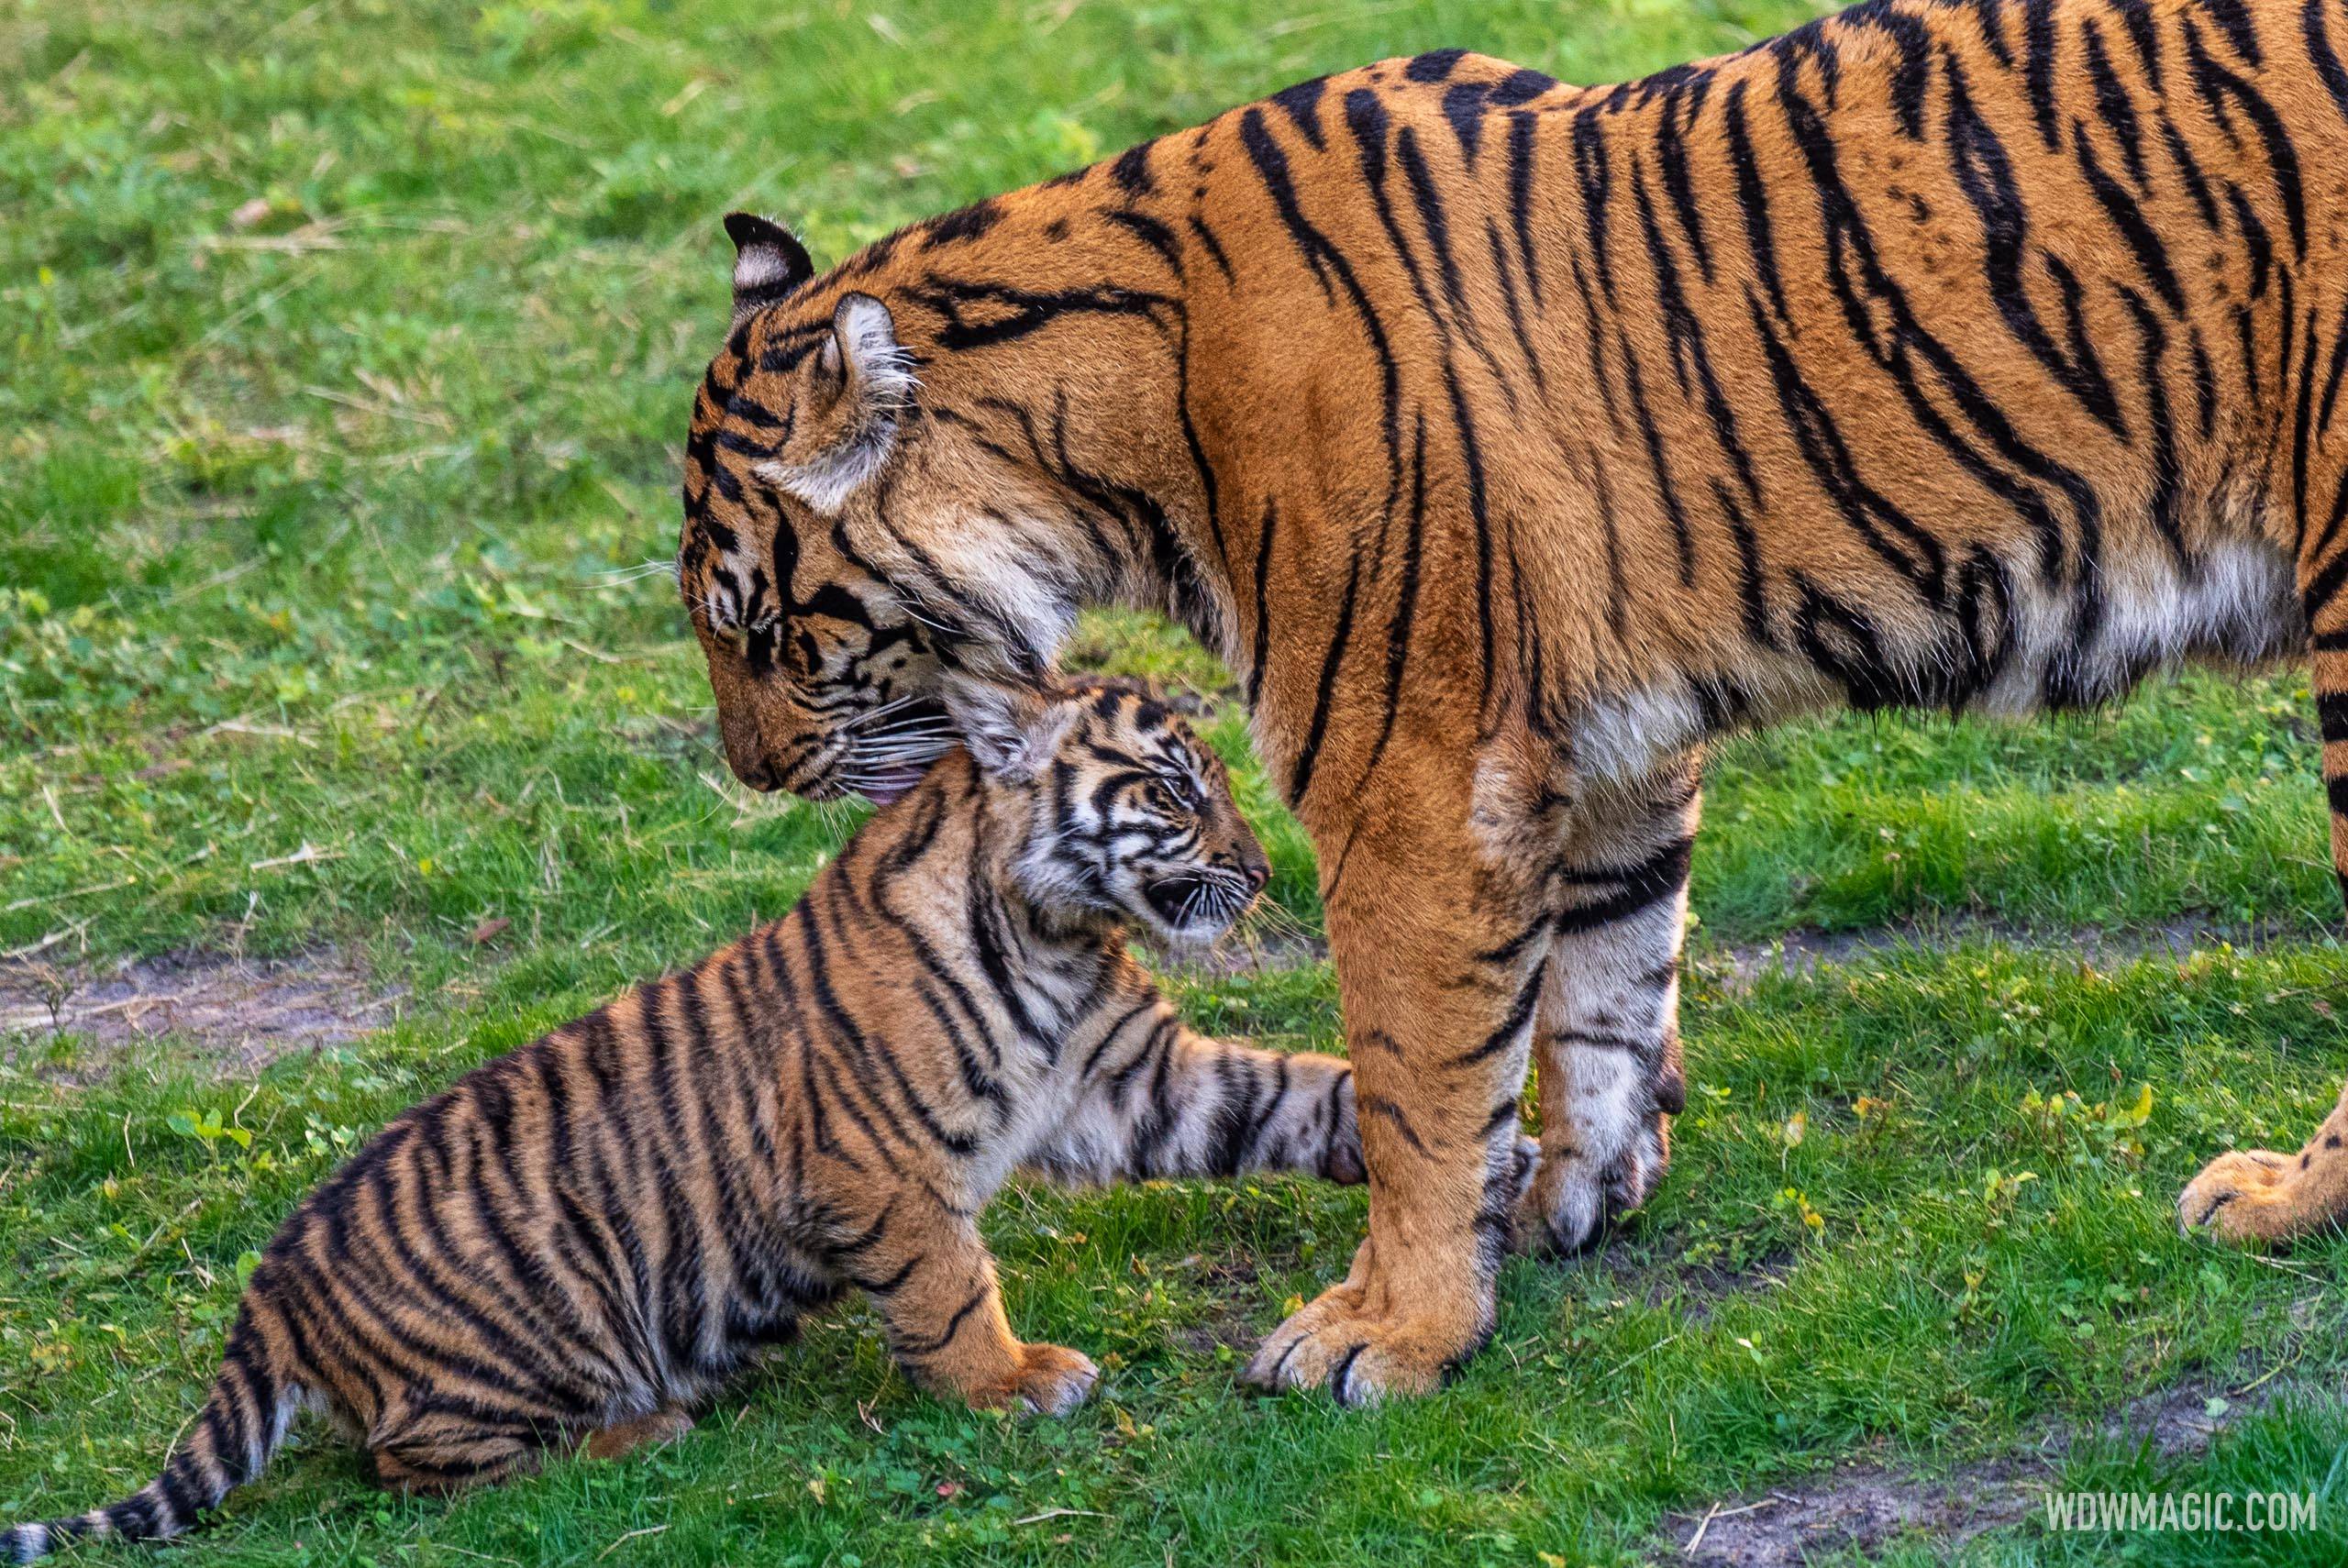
(1049, 880)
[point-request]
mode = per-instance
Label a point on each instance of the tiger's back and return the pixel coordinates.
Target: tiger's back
(1932, 355)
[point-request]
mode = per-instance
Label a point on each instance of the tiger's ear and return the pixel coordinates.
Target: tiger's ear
(1012, 732)
(769, 263)
(861, 382)
(862, 356)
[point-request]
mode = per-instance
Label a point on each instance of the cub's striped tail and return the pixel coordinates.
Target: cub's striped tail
(241, 1423)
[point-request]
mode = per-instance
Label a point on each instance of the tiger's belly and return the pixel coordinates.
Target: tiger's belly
(2234, 603)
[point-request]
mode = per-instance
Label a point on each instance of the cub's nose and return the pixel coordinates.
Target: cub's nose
(759, 775)
(1257, 874)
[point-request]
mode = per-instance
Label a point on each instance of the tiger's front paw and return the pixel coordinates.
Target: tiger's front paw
(1052, 1380)
(1364, 1353)
(1574, 1200)
(2239, 1197)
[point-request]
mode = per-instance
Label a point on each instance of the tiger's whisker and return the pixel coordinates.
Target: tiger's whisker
(897, 705)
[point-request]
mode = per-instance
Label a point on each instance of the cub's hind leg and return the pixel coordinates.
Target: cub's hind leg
(1606, 1039)
(663, 1425)
(438, 1462)
(437, 1456)
(928, 1270)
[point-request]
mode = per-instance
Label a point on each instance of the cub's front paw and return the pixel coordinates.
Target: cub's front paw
(1052, 1380)
(1573, 1200)
(1514, 1182)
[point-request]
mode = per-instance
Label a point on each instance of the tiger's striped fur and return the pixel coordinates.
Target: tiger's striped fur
(1511, 439)
(579, 1240)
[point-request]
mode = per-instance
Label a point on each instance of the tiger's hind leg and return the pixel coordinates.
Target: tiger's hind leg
(2260, 1194)
(1606, 1039)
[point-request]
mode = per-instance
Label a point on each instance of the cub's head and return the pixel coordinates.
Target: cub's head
(1130, 814)
(899, 469)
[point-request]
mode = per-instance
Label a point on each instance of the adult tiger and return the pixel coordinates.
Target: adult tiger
(1510, 439)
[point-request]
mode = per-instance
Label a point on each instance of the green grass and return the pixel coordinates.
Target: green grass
(350, 347)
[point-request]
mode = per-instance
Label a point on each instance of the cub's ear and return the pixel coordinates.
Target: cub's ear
(860, 384)
(1012, 732)
(767, 262)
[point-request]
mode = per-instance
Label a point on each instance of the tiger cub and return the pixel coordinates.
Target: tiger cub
(579, 1240)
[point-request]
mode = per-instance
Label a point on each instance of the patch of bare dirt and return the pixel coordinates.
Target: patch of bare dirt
(1229, 1282)
(1227, 1330)
(1862, 1507)
(240, 1013)
(1859, 1510)
(2176, 1421)
(1695, 1287)
(1806, 952)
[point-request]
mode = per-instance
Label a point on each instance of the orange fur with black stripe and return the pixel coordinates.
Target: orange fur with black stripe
(1511, 440)
(580, 1240)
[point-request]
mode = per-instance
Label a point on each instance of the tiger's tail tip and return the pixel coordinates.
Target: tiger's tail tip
(30, 1542)
(133, 1518)
(194, 1477)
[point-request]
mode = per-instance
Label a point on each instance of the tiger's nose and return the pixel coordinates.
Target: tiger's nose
(759, 775)
(1257, 874)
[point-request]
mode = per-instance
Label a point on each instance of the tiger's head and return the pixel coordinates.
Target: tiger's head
(1129, 816)
(888, 479)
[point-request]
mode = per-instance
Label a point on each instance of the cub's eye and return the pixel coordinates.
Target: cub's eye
(1159, 797)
